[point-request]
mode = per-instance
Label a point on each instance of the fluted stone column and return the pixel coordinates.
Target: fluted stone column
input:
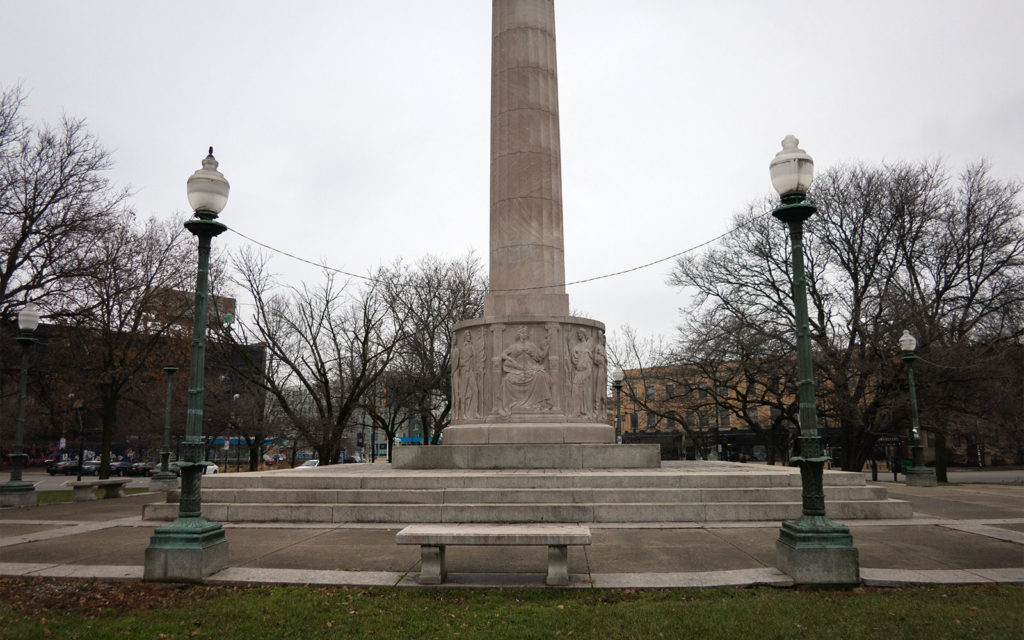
(527, 261)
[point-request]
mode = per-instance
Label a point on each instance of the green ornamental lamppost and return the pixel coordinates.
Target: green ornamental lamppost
(617, 377)
(16, 492)
(165, 478)
(919, 475)
(811, 549)
(191, 548)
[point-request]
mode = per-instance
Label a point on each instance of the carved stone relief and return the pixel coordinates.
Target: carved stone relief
(467, 375)
(525, 381)
(528, 372)
(581, 365)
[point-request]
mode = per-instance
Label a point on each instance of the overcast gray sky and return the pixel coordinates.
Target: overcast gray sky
(356, 131)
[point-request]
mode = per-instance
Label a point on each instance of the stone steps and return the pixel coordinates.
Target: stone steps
(530, 496)
(512, 480)
(531, 512)
(365, 494)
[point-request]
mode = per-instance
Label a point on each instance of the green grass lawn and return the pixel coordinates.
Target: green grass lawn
(134, 610)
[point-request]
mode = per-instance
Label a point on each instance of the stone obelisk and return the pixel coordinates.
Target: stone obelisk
(527, 372)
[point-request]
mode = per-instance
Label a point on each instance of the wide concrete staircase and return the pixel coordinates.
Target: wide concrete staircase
(678, 492)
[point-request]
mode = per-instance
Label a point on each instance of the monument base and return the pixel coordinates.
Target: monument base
(529, 456)
(529, 433)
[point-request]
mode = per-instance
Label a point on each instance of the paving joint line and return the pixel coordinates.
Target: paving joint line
(730, 543)
(67, 529)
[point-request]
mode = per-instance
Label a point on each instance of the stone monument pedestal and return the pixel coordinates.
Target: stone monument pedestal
(528, 380)
(529, 456)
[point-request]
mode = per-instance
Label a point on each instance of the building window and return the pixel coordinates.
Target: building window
(671, 425)
(670, 391)
(724, 418)
(652, 420)
(634, 421)
(649, 393)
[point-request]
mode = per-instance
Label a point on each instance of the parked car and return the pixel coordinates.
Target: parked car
(354, 457)
(143, 469)
(209, 468)
(70, 468)
(308, 464)
(121, 468)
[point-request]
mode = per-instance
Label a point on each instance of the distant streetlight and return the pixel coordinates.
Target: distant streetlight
(165, 478)
(919, 475)
(191, 548)
(16, 492)
(811, 549)
(617, 377)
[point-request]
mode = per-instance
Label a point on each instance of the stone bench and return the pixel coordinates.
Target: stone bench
(85, 490)
(433, 538)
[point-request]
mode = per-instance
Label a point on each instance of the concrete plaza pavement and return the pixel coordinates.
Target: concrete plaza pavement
(972, 533)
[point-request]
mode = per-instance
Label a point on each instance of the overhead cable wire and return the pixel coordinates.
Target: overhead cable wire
(551, 286)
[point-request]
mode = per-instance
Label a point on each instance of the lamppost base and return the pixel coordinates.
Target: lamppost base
(187, 550)
(18, 494)
(921, 477)
(161, 481)
(813, 550)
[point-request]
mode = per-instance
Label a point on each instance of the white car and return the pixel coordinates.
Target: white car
(208, 468)
(308, 464)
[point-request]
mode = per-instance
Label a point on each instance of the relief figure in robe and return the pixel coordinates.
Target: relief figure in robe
(581, 359)
(525, 383)
(600, 376)
(465, 379)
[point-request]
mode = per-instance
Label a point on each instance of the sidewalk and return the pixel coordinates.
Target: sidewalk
(958, 535)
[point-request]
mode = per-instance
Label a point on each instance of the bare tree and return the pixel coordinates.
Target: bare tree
(709, 378)
(891, 248)
(121, 329)
(388, 407)
(326, 347)
(56, 203)
(427, 298)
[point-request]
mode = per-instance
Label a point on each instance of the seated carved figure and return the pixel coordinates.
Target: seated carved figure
(525, 383)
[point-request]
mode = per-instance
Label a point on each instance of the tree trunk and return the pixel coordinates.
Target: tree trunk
(109, 421)
(941, 456)
(254, 457)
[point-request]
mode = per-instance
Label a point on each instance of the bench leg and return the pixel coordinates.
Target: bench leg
(85, 494)
(432, 569)
(558, 565)
(114, 491)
